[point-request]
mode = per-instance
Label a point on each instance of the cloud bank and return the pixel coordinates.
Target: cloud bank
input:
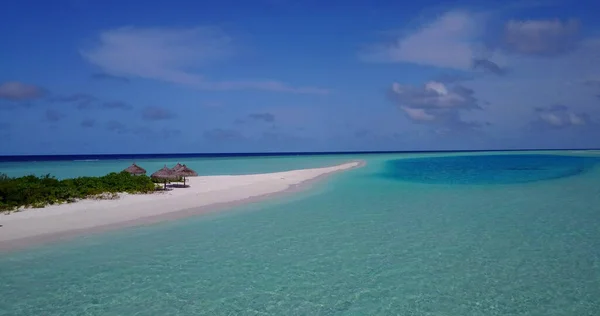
(173, 55)
(560, 116)
(533, 62)
(447, 42)
(437, 104)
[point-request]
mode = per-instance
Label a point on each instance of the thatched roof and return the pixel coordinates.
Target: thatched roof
(184, 171)
(177, 167)
(135, 169)
(165, 173)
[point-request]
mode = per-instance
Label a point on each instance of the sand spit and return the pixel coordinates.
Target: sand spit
(205, 194)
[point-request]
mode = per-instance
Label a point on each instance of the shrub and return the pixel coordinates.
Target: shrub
(32, 191)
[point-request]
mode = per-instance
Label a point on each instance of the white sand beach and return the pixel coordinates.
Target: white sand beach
(205, 194)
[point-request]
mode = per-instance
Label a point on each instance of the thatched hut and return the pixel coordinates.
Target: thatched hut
(165, 174)
(177, 167)
(183, 171)
(135, 169)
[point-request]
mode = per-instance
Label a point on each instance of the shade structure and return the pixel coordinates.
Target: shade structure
(177, 167)
(135, 169)
(183, 171)
(165, 174)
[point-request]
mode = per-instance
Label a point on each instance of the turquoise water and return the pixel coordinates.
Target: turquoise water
(370, 241)
(204, 166)
(488, 169)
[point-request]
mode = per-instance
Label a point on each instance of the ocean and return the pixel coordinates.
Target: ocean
(497, 233)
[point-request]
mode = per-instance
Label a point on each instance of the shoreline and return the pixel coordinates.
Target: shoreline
(206, 194)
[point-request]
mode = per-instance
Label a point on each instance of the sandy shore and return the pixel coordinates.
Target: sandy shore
(205, 194)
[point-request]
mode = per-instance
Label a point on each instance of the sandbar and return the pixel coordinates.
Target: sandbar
(204, 194)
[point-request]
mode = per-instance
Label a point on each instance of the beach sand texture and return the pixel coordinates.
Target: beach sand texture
(205, 194)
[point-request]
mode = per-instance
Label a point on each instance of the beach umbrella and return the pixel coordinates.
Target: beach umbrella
(135, 169)
(184, 172)
(165, 174)
(177, 167)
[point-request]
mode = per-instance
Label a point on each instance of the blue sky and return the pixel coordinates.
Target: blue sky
(90, 76)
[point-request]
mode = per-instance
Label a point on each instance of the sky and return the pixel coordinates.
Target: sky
(94, 77)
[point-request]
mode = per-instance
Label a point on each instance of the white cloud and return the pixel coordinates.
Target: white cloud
(536, 81)
(446, 42)
(437, 104)
(418, 114)
(560, 116)
(575, 119)
(434, 95)
(18, 91)
(165, 54)
(539, 62)
(541, 37)
(438, 87)
(551, 119)
(173, 55)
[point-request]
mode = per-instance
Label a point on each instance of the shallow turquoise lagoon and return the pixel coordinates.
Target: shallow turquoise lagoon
(386, 239)
(204, 166)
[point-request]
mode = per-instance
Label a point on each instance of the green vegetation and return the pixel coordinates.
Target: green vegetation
(32, 191)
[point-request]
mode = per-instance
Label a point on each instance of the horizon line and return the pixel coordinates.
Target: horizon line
(7, 158)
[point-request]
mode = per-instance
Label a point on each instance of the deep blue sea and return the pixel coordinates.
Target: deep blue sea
(499, 233)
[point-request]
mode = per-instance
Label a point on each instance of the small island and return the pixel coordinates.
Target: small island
(117, 199)
(36, 192)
